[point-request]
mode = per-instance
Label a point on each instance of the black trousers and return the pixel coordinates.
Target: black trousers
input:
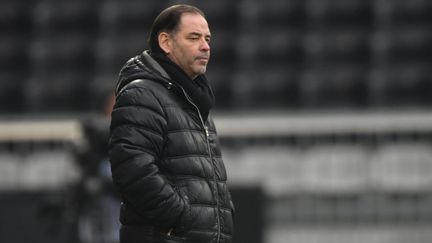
(147, 234)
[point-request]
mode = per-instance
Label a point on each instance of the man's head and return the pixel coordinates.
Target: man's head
(182, 33)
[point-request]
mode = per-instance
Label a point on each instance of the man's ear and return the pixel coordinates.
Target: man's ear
(164, 42)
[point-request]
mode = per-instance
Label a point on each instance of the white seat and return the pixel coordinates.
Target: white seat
(336, 169)
(404, 167)
(9, 171)
(48, 170)
(275, 168)
(282, 174)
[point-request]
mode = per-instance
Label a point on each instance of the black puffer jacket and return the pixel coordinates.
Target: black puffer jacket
(166, 162)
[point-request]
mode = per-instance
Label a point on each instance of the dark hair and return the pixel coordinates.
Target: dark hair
(168, 20)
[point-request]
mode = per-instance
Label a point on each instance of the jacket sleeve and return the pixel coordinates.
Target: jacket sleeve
(136, 142)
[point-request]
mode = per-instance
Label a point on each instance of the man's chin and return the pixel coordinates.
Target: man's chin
(202, 70)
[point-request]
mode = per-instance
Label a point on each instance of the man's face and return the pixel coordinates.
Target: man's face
(190, 47)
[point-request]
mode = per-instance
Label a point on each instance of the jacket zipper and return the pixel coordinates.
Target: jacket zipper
(207, 134)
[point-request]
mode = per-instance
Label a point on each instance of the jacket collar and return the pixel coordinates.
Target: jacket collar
(142, 66)
(153, 64)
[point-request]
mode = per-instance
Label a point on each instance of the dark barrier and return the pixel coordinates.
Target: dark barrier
(249, 217)
(35, 217)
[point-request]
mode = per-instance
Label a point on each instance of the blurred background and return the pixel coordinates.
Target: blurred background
(323, 109)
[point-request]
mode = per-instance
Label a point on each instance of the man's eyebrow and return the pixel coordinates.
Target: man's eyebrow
(199, 34)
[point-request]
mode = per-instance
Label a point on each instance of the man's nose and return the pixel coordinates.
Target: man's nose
(205, 46)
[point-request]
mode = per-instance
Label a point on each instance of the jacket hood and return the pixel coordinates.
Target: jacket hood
(142, 66)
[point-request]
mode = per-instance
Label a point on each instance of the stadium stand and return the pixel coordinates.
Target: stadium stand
(322, 178)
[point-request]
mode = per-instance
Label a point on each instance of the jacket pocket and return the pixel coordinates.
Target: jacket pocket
(173, 239)
(187, 218)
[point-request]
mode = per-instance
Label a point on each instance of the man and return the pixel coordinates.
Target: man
(164, 153)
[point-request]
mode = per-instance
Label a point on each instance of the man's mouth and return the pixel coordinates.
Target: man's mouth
(203, 58)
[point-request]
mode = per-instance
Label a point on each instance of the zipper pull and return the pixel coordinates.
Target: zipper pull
(206, 131)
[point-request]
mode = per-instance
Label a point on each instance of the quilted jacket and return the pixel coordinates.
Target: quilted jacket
(166, 161)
